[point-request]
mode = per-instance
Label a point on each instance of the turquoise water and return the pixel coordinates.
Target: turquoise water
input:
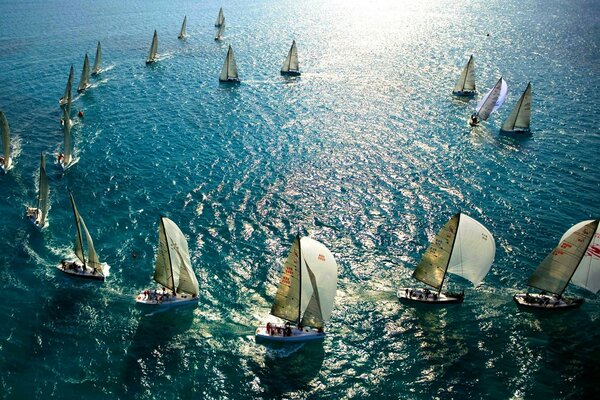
(366, 152)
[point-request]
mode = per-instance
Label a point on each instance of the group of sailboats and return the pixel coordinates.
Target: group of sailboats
(519, 120)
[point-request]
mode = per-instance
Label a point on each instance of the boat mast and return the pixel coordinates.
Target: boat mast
(580, 258)
(162, 224)
(300, 278)
(450, 255)
(79, 237)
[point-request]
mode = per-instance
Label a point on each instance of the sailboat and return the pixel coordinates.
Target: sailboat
(64, 159)
(290, 64)
(305, 294)
(152, 56)
(229, 72)
(82, 267)
(576, 259)
(63, 100)
(96, 69)
(173, 270)
(84, 82)
(182, 34)
(6, 162)
(37, 215)
(520, 118)
(220, 18)
(465, 86)
(463, 247)
(220, 30)
(490, 102)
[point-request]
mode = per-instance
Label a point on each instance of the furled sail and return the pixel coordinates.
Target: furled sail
(220, 18)
(153, 48)
(44, 191)
(520, 117)
(98, 60)
(85, 75)
(287, 299)
(578, 248)
(229, 70)
(466, 81)
(173, 267)
(67, 138)
(5, 140)
(182, 31)
(492, 99)
(291, 61)
(63, 100)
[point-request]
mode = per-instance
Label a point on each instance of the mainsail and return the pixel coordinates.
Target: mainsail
(575, 259)
(67, 138)
(520, 117)
(43, 191)
(463, 247)
(182, 31)
(153, 48)
(220, 31)
(5, 140)
(466, 81)
(98, 60)
(173, 267)
(85, 75)
(229, 71)
(92, 259)
(220, 18)
(308, 284)
(492, 99)
(63, 100)
(290, 64)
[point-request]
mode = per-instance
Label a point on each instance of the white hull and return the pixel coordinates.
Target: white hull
(538, 301)
(76, 268)
(34, 215)
(277, 333)
(10, 164)
(164, 299)
(428, 297)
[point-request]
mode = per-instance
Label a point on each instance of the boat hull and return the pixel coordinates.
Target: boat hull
(34, 215)
(277, 334)
(62, 101)
(464, 93)
(517, 132)
(75, 268)
(424, 296)
(544, 302)
(162, 299)
(230, 80)
(83, 89)
(290, 73)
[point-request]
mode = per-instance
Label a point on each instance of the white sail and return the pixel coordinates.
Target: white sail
(67, 136)
(63, 100)
(5, 141)
(182, 33)
(466, 81)
(229, 71)
(520, 117)
(287, 300)
(173, 267)
(473, 251)
(220, 18)
(97, 61)
(85, 75)
(78, 237)
(319, 282)
(153, 49)
(220, 31)
(492, 100)
(290, 64)
(92, 259)
(587, 274)
(44, 191)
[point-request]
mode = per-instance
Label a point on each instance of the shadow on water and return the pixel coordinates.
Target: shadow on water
(288, 368)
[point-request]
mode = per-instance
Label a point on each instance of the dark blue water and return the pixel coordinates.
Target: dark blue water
(366, 152)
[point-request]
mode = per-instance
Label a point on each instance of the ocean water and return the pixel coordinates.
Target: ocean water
(367, 152)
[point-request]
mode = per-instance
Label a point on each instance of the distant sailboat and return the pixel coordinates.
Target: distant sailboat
(576, 259)
(82, 267)
(463, 247)
(98, 61)
(37, 215)
(305, 294)
(6, 162)
(63, 100)
(220, 18)
(229, 72)
(84, 82)
(465, 86)
(173, 270)
(152, 56)
(64, 159)
(182, 34)
(490, 102)
(220, 30)
(520, 118)
(290, 64)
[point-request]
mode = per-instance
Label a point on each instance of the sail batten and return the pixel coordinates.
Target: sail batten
(520, 117)
(98, 60)
(492, 100)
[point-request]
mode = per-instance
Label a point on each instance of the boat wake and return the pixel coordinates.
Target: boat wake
(283, 352)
